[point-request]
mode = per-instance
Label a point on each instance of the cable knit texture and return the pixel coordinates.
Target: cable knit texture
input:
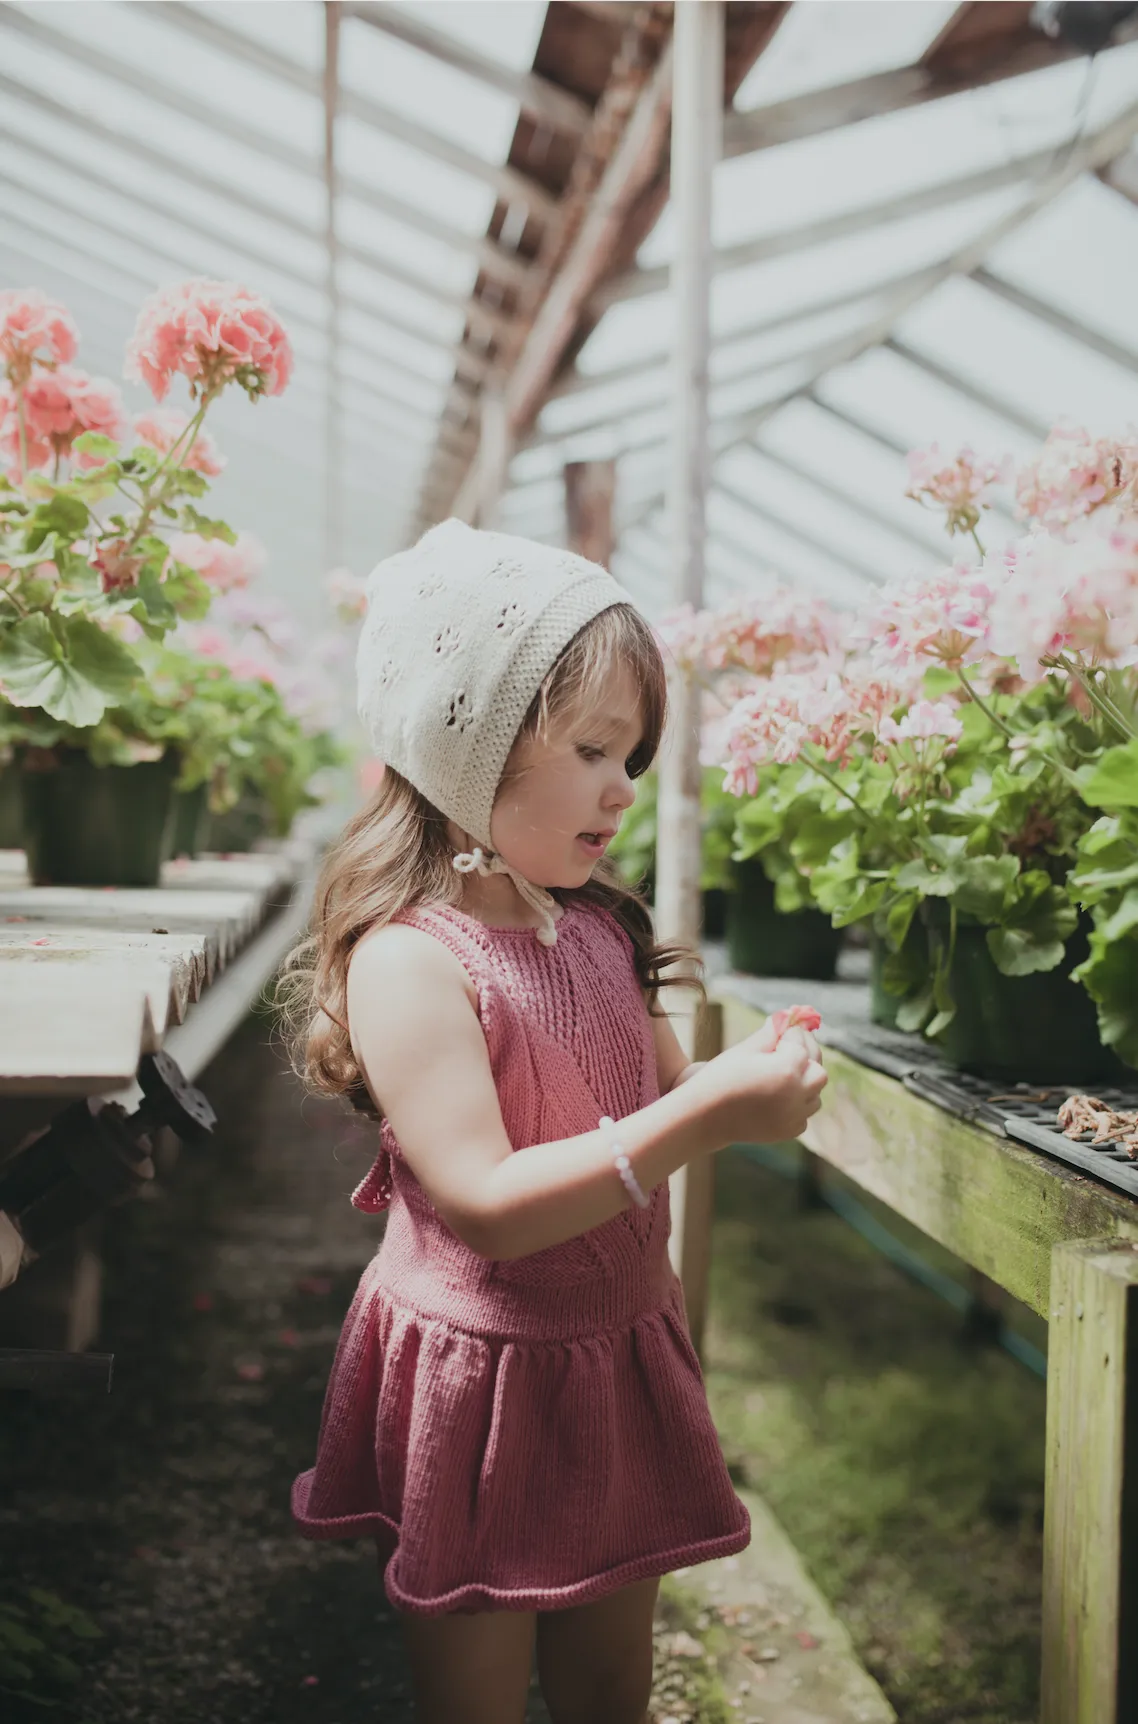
(529, 1434)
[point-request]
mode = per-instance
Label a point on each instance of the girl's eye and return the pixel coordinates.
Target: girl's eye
(588, 753)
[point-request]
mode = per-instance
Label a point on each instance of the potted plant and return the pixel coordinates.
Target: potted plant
(100, 547)
(978, 743)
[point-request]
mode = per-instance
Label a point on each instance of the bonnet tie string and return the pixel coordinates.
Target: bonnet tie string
(476, 861)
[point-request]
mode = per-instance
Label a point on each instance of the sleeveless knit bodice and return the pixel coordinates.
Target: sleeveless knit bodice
(530, 1433)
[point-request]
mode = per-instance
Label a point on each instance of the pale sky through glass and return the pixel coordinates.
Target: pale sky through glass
(133, 152)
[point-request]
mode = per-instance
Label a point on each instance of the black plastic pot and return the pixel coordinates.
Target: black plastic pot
(763, 942)
(239, 828)
(87, 825)
(11, 814)
(190, 821)
(1031, 1029)
(714, 913)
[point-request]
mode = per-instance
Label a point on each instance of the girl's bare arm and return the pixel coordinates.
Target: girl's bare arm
(416, 1034)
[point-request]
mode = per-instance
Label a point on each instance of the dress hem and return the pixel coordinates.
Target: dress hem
(475, 1595)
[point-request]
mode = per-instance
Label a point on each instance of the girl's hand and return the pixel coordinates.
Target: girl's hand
(765, 1088)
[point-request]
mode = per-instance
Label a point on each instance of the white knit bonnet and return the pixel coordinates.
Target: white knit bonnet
(461, 631)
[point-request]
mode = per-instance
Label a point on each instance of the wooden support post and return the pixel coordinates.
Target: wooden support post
(493, 456)
(333, 408)
(1090, 1534)
(697, 126)
(693, 1213)
(589, 490)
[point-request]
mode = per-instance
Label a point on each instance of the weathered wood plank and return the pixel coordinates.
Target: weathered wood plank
(997, 1205)
(1090, 1534)
(79, 1033)
(185, 956)
(225, 918)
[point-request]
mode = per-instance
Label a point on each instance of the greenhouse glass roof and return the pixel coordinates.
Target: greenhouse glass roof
(890, 269)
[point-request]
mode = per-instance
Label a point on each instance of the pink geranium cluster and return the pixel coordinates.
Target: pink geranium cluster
(212, 333)
(925, 721)
(752, 635)
(34, 330)
(829, 708)
(1074, 474)
(58, 406)
(224, 566)
(160, 428)
(960, 484)
(1075, 596)
(943, 617)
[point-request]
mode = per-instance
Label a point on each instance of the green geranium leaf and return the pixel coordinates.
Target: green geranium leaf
(1123, 920)
(917, 876)
(63, 514)
(913, 1014)
(189, 594)
(1113, 781)
(984, 883)
(1036, 937)
(95, 443)
(1110, 976)
(192, 522)
(899, 920)
(69, 667)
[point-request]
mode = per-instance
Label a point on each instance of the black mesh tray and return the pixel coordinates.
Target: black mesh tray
(1024, 1112)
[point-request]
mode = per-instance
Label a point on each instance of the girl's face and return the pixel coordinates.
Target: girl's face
(563, 799)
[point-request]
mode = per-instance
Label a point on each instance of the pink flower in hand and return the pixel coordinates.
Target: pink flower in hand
(160, 429)
(213, 333)
(34, 330)
(795, 1017)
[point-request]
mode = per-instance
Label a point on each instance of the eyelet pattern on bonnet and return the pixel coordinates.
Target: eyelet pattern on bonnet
(461, 631)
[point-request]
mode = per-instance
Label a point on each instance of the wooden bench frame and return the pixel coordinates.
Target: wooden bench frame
(1062, 1244)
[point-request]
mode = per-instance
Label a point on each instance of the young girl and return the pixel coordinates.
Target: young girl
(515, 1411)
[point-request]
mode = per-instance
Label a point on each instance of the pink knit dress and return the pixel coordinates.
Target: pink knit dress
(531, 1434)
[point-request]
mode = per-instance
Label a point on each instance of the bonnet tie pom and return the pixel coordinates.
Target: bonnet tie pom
(476, 862)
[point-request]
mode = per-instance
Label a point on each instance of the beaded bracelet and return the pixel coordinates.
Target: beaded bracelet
(623, 1165)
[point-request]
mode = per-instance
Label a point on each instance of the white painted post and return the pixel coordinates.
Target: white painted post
(697, 127)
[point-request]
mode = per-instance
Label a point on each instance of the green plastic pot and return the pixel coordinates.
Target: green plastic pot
(87, 825)
(763, 942)
(190, 821)
(11, 814)
(1023, 1029)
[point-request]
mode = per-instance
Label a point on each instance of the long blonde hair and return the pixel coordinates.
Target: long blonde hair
(395, 855)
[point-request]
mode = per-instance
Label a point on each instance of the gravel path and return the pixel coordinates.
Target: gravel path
(161, 1511)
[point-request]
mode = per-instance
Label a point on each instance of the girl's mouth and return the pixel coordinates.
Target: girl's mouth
(595, 843)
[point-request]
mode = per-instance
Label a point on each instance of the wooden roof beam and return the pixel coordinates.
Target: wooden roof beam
(980, 45)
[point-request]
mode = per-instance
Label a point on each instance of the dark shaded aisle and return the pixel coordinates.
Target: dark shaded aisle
(162, 1510)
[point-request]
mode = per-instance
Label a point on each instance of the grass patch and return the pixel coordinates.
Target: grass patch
(687, 1688)
(906, 1466)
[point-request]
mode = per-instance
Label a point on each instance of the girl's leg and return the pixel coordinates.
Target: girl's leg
(472, 1668)
(595, 1660)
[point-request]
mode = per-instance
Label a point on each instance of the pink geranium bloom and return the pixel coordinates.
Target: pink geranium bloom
(752, 635)
(161, 427)
(1075, 474)
(212, 333)
(224, 566)
(943, 616)
(959, 484)
(1074, 596)
(58, 406)
(925, 721)
(828, 708)
(795, 1017)
(34, 330)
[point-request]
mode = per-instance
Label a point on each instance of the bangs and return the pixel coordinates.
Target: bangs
(618, 638)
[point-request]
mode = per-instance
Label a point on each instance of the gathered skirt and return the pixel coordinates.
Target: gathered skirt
(500, 1466)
